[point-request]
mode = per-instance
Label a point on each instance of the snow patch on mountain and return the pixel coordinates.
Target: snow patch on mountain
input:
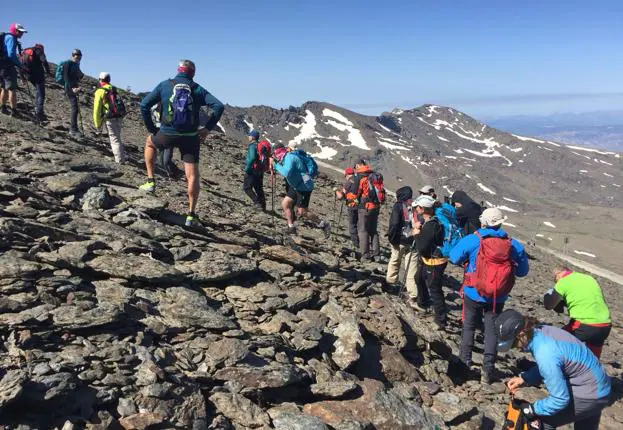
(549, 224)
(510, 200)
(486, 189)
(507, 209)
(326, 152)
(588, 254)
(249, 124)
(392, 144)
(308, 129)
(582, 148)
(336, 115)
(354, 135)
(442, 138)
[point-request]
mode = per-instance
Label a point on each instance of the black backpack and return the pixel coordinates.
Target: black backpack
(116, 106)
(3, 53)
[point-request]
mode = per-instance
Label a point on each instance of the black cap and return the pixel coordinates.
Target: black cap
(76, 52)
(507, 326)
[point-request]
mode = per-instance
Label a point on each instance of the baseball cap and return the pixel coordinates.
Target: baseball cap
(76, 52)
(427, 189)
(424, 201)
(15, 27)
(104, 76)
(492, 217)
(349, 171)
(507, 326)
(254, 134)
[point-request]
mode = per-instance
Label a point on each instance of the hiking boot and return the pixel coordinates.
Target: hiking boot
(486, 378)
(192, 220)
(149, 186)
(41, 117)
(75, 134)
(4, 110)
(418, 306)
(326, 228)
(291, 230)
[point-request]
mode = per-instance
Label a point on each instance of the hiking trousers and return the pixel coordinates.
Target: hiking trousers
(430, 289)
(367, 229)
(353, 217)
(113, 126)
(403, 255)
(583, 413)
(39, 96)
(593, 335)
(73, 102)
(253, 186)
(473, 314)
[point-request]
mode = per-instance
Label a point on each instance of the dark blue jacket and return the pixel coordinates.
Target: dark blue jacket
(563, 363)
(163, 92)
(72, 74)
(467, 250)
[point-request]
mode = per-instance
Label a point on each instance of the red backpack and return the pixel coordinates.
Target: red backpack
(373, 190)
(495, 269)
(263, 156)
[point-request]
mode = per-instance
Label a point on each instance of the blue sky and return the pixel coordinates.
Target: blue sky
(486, 57)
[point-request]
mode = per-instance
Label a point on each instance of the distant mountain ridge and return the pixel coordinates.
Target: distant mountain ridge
(444, 147)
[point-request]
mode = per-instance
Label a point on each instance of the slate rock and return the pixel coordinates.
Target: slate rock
(11, 386)
(240, 410)
(136, 268)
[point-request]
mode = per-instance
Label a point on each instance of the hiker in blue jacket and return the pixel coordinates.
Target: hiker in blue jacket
(181, 100)
(475, 307)
(299, 187)
(254, 169)
(9, 63)
(577, 385)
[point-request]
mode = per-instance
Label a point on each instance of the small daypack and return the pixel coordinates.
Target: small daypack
(452, 232)
(26, 59)
(58, 75)
(374, 190)
(180, 112)
(495, 270)
(116, 106)
(3, 53)
(308, 161)
(263, 156)
(514, 419)
(407, 218)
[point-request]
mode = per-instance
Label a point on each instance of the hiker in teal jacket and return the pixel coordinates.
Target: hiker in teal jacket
(253, 185)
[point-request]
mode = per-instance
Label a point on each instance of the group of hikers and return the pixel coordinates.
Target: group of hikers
(424, 234)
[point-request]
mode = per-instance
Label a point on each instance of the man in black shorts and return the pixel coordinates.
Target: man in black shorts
(181, 100)
(9, 62)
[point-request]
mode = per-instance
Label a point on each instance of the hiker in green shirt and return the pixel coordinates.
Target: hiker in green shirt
(581, 295)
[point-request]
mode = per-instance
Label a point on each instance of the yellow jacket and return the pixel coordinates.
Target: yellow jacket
(100, 105)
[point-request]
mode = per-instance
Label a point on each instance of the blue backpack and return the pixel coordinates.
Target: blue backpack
(180, 112)
(308, 161)
(452, 233)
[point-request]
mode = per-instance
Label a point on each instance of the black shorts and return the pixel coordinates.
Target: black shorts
(8, 76)
(188, 145)
(301, 198)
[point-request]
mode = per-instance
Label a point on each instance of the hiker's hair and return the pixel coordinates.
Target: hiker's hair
(561, 268)
(525, 336)
(428, 211)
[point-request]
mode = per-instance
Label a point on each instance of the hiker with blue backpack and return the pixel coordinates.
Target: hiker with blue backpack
(430, 239)
(9, 63)
(109, 109)
(493, 260)
(181, 100)
(299, 170)
(69, 75)
(257, 163)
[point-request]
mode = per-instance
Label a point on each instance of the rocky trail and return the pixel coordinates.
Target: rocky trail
(114, 316)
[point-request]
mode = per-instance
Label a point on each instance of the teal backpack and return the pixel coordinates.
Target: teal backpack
(452, 233)
(308, 161)
(58, 75)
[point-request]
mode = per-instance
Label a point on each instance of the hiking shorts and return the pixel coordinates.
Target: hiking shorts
(8, 76)
(301, 198)
(188, 145)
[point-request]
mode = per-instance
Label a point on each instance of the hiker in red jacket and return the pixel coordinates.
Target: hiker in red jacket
(475, 304)
(348, 194)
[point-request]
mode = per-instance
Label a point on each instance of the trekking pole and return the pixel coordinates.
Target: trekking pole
(334, 205)
(272, 198)
(80, 114)
(32, 100)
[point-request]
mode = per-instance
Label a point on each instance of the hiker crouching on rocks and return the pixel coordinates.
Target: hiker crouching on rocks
(257, 163)
(400, 235)
(467, 211)
(109, 110)
(580, 293)
(181, 100)
(478, 302)
(8, 68)
(299, 169)
(429, 238)
(348, 194)
(577, 385)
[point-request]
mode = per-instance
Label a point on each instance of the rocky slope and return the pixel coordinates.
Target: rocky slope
(114, 316)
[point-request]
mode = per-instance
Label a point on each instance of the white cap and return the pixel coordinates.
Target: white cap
(424, 201)
(492, 217)
(104, 76)
(427, 189)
